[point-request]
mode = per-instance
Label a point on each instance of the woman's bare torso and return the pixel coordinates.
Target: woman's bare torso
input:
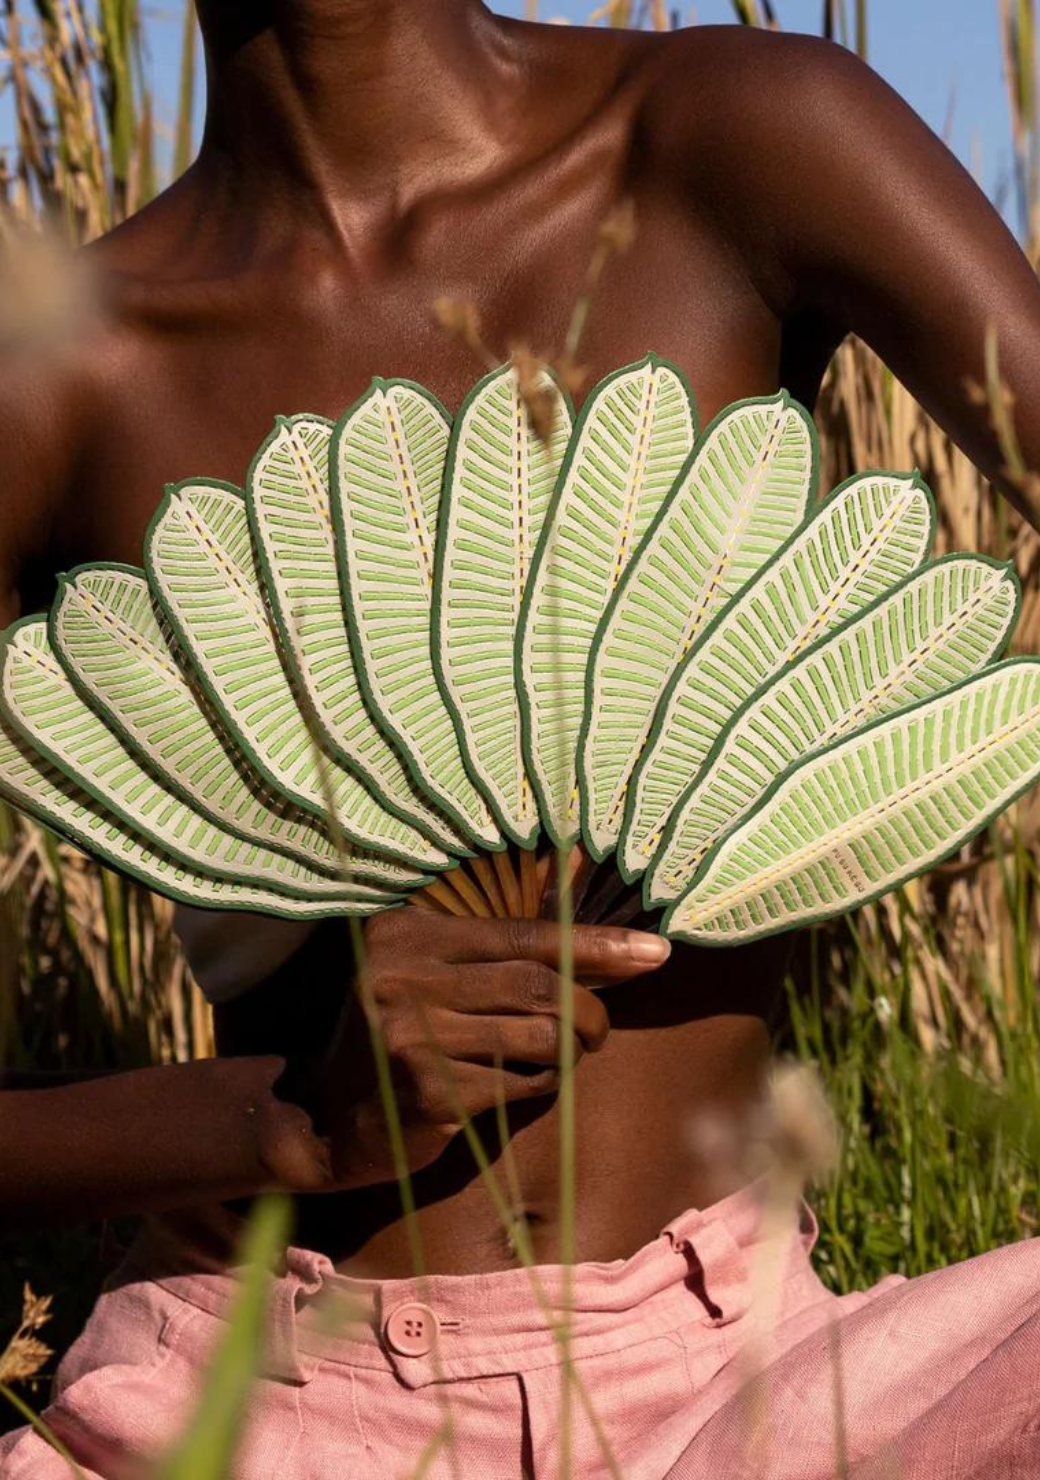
(214, 322)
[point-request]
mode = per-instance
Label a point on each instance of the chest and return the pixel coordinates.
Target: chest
(191, 387)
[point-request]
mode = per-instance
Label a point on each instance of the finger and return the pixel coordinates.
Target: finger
(528, 987)
(509, 1040)
(485, 1088)
(451, 1090)
(601, 951)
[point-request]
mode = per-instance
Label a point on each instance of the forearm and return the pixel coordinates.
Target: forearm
(153, 1139)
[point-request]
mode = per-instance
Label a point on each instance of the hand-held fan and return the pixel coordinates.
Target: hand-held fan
(407, 645)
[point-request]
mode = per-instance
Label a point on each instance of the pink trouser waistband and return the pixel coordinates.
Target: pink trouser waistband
(443, 1327)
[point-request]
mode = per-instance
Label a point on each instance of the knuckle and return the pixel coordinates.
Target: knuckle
(599, 941)
(544, 1082)
(384, 980)
(520, 937)
(447, 1130)
(426, 1098)
(592, 1011)
(393, 984)
(432, 1096)
(402, 1049)
(539, 986)
(546, 1036)
(386, 929)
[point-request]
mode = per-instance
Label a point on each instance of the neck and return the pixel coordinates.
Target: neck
(348, 101)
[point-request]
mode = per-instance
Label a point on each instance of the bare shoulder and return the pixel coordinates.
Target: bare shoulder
(38, 456)
(69, 339)
(734, 81)
(772, 136)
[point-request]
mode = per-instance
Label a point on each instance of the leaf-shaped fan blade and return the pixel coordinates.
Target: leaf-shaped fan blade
(290, 514)
(629, 444)
(870, 533)
(870, 812)
(386, 466)
(30, 782)
(41, 703)
(106, 631)
(936, 628)
(743, 494)
(498, 482)
(202, 569)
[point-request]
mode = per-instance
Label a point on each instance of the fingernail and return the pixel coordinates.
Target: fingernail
(653, 949)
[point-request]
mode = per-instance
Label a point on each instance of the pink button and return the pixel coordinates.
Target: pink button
(411, 1329)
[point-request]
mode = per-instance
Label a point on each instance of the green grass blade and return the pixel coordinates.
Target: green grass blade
(937, 627)
(868, 813)
(872, 532)
(387, 464)
(634, 434)
(207, 1449)
(742, 495)
(498, 482)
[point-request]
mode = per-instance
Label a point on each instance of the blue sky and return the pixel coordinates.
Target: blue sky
(943, 56)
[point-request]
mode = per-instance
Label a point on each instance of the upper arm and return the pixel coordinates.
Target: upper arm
(37, 452)
(868, 219)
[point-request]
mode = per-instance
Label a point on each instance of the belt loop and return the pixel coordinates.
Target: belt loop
(303, 1277)
(808, 1226)
(717, 1271)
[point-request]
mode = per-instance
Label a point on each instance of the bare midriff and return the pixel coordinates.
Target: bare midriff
(685, 1059)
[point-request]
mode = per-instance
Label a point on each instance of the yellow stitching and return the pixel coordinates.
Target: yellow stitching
(419, 528)
(523, 561)
(232, 571)
(130, 638)
(725, 555)
(521, 523)
(304, 466)
(637, 471)
(850, 572)
(722, 560)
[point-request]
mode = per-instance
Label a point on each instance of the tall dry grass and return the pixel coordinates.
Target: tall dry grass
(89, 968)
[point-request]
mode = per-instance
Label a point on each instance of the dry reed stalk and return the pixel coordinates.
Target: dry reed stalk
(25, 1354)
(960, 930)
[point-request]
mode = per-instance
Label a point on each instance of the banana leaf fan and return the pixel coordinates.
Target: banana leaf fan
(455, 662)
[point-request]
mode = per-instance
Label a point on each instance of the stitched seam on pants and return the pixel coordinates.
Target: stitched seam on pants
(356, 1409)
(176, 1323)
(680, 1341)
(290, 1449)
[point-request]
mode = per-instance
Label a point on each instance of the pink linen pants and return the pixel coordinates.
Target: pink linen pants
(713, 1353)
